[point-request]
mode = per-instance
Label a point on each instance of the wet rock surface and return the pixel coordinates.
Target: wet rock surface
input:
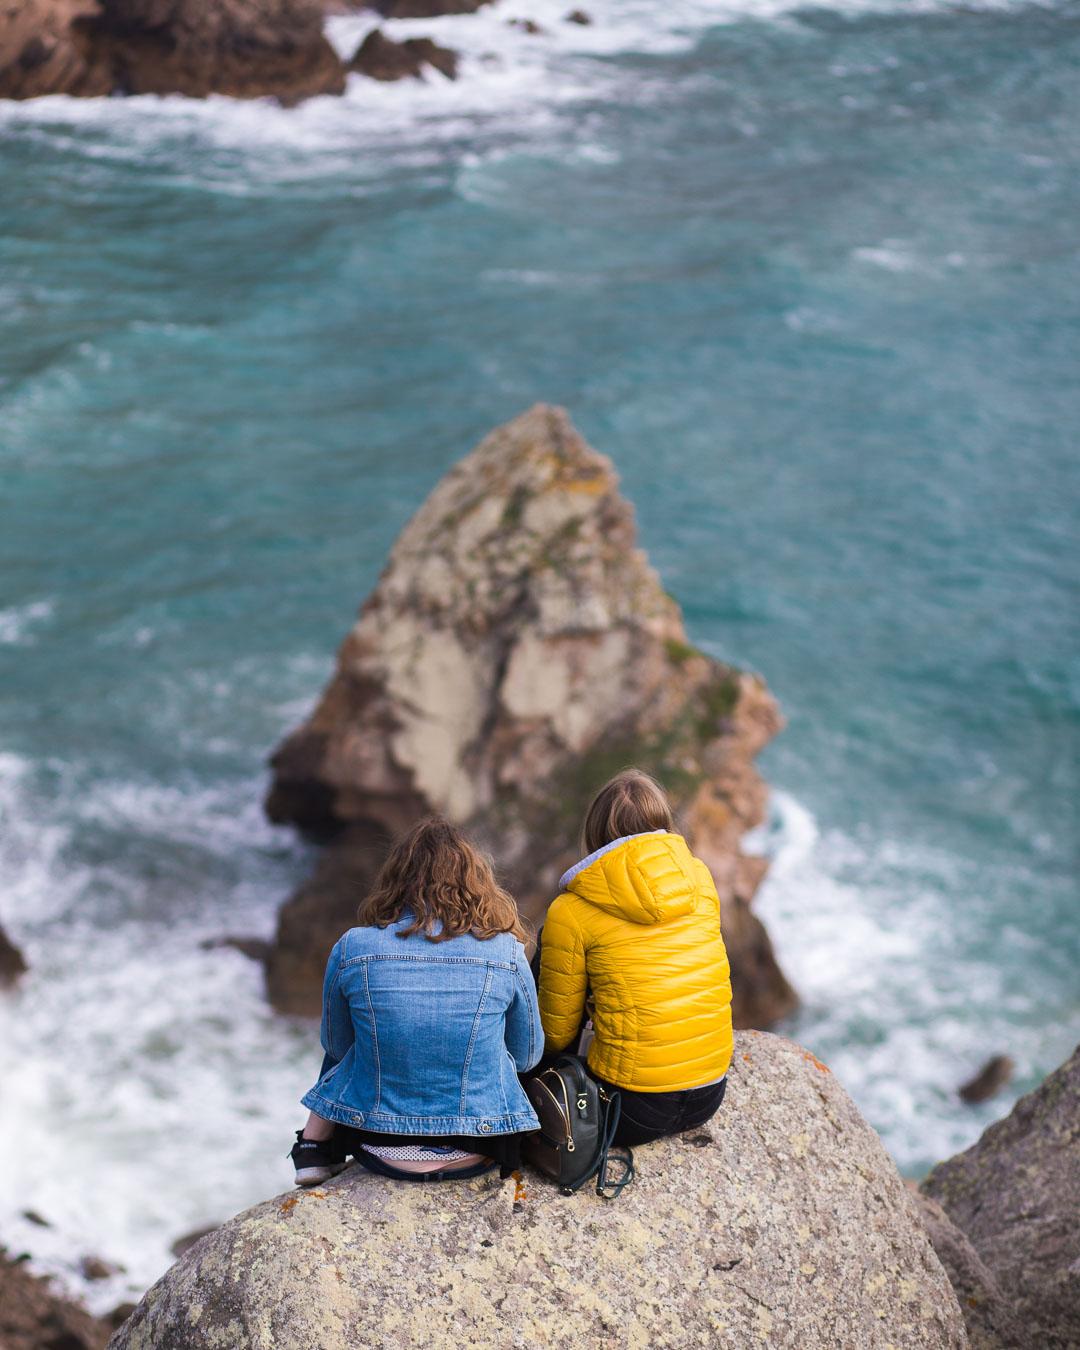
(991, 1078)
(426, 9)
(243, 48)
(12, 961)
(783, 1223)
(517, 650)
(43, 50)
(1015, 1195)
(381, 58)
(34, 1316)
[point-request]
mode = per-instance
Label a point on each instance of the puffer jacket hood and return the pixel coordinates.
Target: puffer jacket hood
(636, 932)
(645, 878)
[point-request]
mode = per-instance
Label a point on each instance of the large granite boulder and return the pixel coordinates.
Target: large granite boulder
(1015, 1194)
(517, 650)
(244, 48)
(783, 1223)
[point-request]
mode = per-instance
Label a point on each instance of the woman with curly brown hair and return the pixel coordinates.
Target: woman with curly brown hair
(429, 1014)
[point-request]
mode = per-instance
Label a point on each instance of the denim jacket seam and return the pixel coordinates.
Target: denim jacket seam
(428, 960)
(523, 990)
(472, 1039)
(329, 1047)
(374, 1042)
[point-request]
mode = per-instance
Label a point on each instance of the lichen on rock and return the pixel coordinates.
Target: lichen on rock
(517, 650)
(782, 1223)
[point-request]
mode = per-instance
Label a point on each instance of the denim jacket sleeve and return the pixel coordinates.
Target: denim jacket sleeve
(524, 1030)
(336, 1032)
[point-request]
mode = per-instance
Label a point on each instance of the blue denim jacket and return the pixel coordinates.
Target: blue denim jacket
(427, 1037)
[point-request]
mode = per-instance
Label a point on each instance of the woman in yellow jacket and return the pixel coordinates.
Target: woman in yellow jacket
(637, 929)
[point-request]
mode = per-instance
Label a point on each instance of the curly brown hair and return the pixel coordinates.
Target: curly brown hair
(448, 886)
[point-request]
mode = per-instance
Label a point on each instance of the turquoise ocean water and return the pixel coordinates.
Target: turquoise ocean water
(810, 276)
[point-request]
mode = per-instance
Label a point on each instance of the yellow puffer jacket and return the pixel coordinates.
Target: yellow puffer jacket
(638, 925)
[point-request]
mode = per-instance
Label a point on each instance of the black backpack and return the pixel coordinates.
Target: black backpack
(578, 1119)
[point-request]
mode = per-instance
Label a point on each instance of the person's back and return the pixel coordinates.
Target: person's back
(637, 927)
(429, 1014)
(421, 1030)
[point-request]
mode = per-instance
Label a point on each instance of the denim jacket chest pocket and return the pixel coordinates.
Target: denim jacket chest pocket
(427, 1038)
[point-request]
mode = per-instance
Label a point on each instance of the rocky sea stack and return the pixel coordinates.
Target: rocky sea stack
(783, 1223)
(517, 650)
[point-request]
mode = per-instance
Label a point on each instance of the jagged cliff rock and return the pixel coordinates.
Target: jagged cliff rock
(12, 961)
(517, 650)
(43, 50)
(244, 48)
(34, 1317)
(426, 9)
(988, 1315)
(782, 1223)
(381, 58)
(1015, 1194)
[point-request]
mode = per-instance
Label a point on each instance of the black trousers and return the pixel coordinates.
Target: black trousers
(651, 1115)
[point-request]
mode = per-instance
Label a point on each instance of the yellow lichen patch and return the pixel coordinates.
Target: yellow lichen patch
(591, 487)
(808, 1055)
(799, 1144)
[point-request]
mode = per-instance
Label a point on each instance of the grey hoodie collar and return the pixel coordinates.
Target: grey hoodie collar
(568, 876)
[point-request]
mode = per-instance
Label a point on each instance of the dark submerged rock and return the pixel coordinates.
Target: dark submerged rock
(255, 949)
(182, 1244)
(990, 1079)
(12, 962)
(579, 16)
(97, 1268)
(426, 9)
(381, 58)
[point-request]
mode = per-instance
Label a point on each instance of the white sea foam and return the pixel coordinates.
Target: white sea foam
(865, 928)
(158, 1087)
(19, 624)
(512, 85)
